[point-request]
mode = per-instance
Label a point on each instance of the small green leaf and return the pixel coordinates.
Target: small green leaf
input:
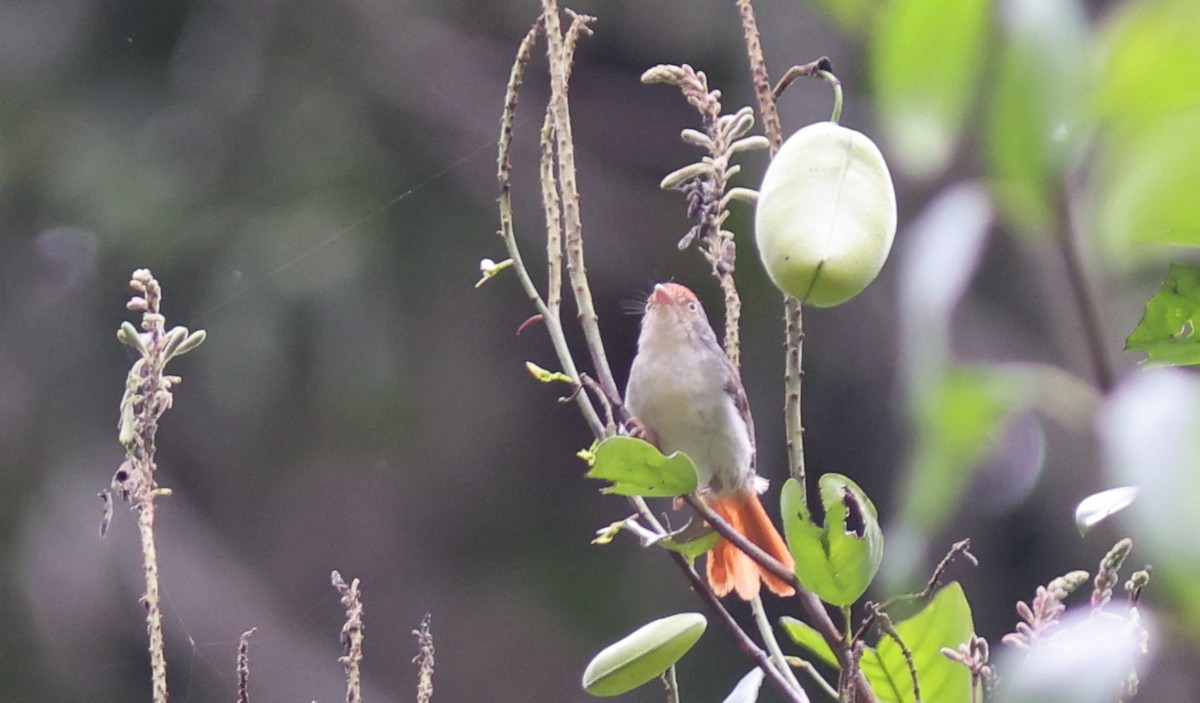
(945, 622)
(836, 561)
(643, 654)
(958, 418)
(636, 468)
(926, 58)
(1167, 332)
(692, 540)
(1098, 506)
(804, 635)
(855, 17)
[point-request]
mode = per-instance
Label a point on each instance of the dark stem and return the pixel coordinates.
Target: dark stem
(1085, 302)
(743, 640)
(812, 605)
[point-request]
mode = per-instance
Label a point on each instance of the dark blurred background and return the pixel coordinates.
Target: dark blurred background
(314, 184)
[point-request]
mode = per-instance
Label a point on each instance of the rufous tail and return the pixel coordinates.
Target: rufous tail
(731, 569)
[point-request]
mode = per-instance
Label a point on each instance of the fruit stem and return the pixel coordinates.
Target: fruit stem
(837, 94)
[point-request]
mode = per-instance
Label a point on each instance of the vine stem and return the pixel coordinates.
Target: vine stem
(793, 374)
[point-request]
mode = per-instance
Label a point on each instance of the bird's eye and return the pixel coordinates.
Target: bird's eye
(692, 306)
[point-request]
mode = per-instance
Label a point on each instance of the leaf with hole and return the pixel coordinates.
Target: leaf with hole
(837, 560)
(1167, 332)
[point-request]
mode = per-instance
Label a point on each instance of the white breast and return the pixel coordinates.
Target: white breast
(685, 402)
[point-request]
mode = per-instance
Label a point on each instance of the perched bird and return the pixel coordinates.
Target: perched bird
(689, 398)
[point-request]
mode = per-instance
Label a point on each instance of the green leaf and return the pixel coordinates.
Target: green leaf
(1036, 114)
(1099, 506)
(926, 58)
(957, 420)
(643, 654)
(855, 17)
(838, 560)
(945, 622)
(693, 540)
(636, 468)
(1149, 111)
(804, 635)
(1167, 332)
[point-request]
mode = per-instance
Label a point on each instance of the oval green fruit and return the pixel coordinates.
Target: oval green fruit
(643, 654)
(826, 214)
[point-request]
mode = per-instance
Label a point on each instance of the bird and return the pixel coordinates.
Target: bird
(688, 397)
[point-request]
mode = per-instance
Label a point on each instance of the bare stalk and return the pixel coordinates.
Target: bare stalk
(243, 666)
(424, 661)
(147, 396)
(352, 636)
(560, 114)
(503, 176)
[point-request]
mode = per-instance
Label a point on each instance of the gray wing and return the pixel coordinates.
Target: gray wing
(737, 392)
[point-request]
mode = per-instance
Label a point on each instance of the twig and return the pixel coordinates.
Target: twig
(885, 624)
(807, 667)
(352, 636)
(243, 666)
(811, 604)
(768, 635)
(802, 71)
(424, 661)
(743, 640)
(959, 548)
(503, 176)
(560, 113)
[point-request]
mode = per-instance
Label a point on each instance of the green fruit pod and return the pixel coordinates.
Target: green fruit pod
(826, 215)
(643, 654)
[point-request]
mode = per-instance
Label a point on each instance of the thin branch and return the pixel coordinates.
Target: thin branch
(352, 636)
(743, 640)
(768, 635)
(793, 380)
(808, 668)
(243, 666)
(424, 660)
(504, 178)
(560, 113)
(812, 605)
(885, 623)
(960, 548)
(802, 71)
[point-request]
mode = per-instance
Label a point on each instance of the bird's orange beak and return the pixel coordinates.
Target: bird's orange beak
(661, 296)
